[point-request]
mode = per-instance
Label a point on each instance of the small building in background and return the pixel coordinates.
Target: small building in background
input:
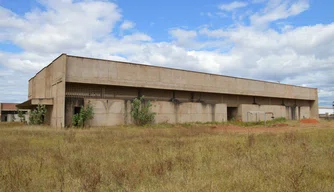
(326, 112)
(9, 112)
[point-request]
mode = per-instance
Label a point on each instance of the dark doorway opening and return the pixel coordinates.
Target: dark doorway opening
(76, 110)
(299, 113)
(293, 113)
(232, 113)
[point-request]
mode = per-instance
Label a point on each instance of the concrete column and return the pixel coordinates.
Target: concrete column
(9, 117)
(315, 107)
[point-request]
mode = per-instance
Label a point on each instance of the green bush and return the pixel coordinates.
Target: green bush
(36, 116)
(141, 111)
(21, 116)
(86, 113)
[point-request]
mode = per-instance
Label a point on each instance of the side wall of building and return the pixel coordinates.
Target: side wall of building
(135, 75)
(249, 113)
(108, 112)
(94, 71)
(111, 102)
(169, 112)
(50, 83)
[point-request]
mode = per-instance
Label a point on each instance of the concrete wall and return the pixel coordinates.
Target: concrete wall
(94, 71)
(279, 111)
(305, 112)
(50, 83)
(296, 113)
(168, 112)
(165, 109)
(108, 112)
(80, 90)
(103, 72)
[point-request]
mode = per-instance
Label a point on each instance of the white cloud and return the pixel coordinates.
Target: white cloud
(218, 33)
(183, 34)
(127, 25)
(136, 37)
(183, 37)
(64, 25)
(188, 39)
(301, 55)
(279, 9)
(232, 6)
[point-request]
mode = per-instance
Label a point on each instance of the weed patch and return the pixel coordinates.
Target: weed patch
(182, 157)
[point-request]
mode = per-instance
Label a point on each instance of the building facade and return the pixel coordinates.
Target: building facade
(326, 112)
(9, 112)
(178, 96)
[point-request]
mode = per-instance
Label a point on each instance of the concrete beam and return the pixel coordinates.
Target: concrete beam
(43, 101)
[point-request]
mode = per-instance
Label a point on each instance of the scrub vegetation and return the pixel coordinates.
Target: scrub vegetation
(185, 157)
(86, 113)
(141, 111)
(36, 116)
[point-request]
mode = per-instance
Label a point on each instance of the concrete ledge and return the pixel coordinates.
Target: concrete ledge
(34, 102)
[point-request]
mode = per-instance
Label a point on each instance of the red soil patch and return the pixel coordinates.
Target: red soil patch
(311, 121)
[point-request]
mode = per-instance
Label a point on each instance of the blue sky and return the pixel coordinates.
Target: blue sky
(277, 40)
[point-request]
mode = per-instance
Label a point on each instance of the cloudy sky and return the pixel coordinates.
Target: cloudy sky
(287, 41)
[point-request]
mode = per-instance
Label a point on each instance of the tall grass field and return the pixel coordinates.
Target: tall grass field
(189, 157)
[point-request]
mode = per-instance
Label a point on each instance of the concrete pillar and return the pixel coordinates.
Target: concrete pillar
(315, 107)
(9, 117)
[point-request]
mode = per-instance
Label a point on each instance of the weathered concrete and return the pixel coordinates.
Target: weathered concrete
(305, 112)
(42, 101)
(110, 112)
(168, 112)
(278, 111)
(201, 97)
(105, 72)
(50, 83)
(107, 112)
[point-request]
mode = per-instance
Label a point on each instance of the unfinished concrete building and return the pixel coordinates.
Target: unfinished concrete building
(178, 96)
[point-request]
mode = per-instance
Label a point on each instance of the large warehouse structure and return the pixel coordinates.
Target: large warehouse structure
(177, 95)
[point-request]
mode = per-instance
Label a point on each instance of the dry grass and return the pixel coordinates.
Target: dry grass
(166, 158)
